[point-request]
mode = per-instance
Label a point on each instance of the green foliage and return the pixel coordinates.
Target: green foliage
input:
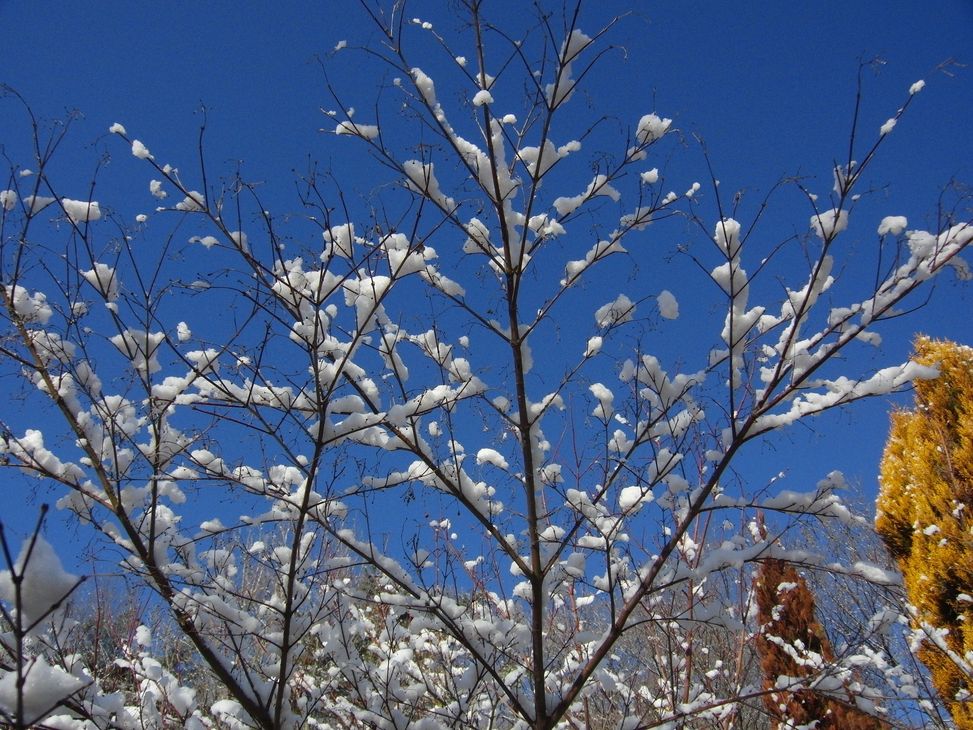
(924, 515)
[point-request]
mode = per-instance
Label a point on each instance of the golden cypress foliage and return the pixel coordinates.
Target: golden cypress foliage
(925, 512)
(791, 642)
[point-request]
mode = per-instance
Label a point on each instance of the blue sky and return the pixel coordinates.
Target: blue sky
(768, 86)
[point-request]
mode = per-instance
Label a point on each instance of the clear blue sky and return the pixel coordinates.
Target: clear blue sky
(769, 86)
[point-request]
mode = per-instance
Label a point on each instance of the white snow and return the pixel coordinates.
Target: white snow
(117, 128)
(893, 224)
(563, 88)
(141, 348)
(727, 236)
(155, 187)
(425, 86)
(887, 127)
(103, 279)
(241, 241)
(45, 582)
(205, 241)
(140, 150)
(668, 306)
(616, 312)
(491, 456)
(482, 97)
(541, 159)
(576, 43)
(36, 203)
(633, 498)
(365, 131)
(338, 241)
(829, 223)
(605, 408)
(44, 688)
(598, 186)
(8, 199)
(192, 203)
(29, 307)
(650, 176)
(422, 179)
(917, 87)
(81, 211)
(651, 127)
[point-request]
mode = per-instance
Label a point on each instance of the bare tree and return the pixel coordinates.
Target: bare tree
(555, 485)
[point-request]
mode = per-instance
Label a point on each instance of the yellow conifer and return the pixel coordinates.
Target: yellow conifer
(925, 513)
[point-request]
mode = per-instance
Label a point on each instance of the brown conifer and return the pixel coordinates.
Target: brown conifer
(792, 643)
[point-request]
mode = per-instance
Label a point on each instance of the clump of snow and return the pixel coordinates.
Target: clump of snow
(482, 97)
(650, 176)
(338, 241)
(36, 203)
(29, 307)
(491, 456)
(541, 159)
(668, 306)
(576, 43)
(81, 211)
(593, 347)
(651, 127)
(563, 88)
(829, 223)
(140, 150)
(598, 186)
(425, 86)
(45, 687)
(340, 45)
(117, 128)
(155, 187)
(893, 224)
(8, 199)
(241, 241)
(632, 499)
(887, 127)
(102, 278)
(616, 312)
(205, 241)
(192, 203)
(727, 236)
(141, 348)
(365, 131)
(44, 584)
(605, 408)
(183, 332)
(422, 179)
(917, 87)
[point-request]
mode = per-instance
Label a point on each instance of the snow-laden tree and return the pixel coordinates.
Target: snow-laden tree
(927, 484)
(434, 460)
